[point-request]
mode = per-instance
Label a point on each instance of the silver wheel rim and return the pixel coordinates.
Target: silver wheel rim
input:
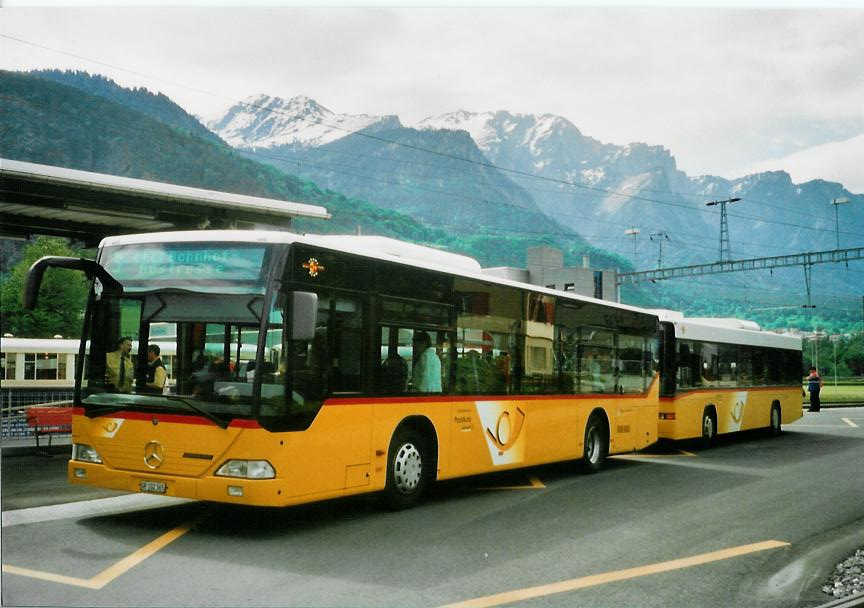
(593, 447)
(407, 468)
(775, 419)
(708, 427)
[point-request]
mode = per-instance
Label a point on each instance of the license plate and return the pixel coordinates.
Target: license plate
(153, 487)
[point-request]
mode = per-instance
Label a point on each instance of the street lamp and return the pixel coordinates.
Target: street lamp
(634, 232)
(834, 343)
(837, 202)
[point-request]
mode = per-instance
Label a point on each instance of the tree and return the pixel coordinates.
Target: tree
(62, 297)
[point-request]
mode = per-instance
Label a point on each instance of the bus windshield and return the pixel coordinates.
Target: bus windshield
(172, 352)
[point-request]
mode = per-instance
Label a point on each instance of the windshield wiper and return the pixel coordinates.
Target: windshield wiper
(91, 410)
(199, 410)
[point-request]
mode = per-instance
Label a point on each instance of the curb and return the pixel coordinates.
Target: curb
(846, 602)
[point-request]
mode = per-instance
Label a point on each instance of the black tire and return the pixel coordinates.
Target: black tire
(709, 428)
(407, 469)
(596, 446)
(776, 421)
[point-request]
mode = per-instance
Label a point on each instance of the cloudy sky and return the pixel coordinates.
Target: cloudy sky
(727, 91)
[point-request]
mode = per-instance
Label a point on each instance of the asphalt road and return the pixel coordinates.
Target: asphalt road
(753, 521)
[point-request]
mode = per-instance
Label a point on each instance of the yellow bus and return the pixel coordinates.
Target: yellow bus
(724, 376)
(379, 366)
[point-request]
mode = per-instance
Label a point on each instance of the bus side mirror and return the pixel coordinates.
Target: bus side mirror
(304, 314)
(33, 280)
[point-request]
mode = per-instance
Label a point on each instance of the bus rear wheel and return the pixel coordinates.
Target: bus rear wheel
(596, 446)
(709, 428)
(776, 420)
(407, 469)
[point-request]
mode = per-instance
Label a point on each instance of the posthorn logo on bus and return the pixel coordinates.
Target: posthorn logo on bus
(503, 424)
(154, 454)
(314, 267)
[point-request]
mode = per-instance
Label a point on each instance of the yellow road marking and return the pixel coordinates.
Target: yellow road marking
(48, 576)
(850, 423)
(110, 573)
(536, 484)
(611, 577)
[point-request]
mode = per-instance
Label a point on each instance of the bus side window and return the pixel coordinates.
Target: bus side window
(393, 370)
(632, 372)
(485, 341)
(685, 366)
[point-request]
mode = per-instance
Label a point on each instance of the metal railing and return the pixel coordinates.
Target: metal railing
(13, 406)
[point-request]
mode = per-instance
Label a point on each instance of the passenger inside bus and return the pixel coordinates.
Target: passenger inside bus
(426, 374)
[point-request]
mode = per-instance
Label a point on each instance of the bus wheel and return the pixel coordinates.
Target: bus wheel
(596, 444)
(776, 420)
(407, 466)
(709, 428)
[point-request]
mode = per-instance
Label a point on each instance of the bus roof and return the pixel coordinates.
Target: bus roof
(728, 330)
(375, 247)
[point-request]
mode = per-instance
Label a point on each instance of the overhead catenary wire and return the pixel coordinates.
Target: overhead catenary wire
(497, 204)
(699, 245)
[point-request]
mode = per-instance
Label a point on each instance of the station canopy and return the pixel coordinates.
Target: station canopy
(86, 206)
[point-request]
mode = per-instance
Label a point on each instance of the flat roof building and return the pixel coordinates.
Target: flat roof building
(546, 269)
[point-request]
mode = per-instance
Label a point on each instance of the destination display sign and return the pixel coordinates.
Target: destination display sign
(185, 265)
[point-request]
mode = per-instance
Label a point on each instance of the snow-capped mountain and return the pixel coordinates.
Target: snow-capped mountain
(496, 133)
(553, 147)
(263, 121)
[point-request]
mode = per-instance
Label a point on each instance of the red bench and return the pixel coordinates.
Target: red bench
(49, 420)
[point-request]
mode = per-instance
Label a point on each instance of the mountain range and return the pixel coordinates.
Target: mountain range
(595, 189)
(442, 178)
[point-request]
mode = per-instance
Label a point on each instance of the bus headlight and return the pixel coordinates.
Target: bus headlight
(84, 453)
(247, 469)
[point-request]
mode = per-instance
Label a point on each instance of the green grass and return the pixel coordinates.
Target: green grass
(840, 393)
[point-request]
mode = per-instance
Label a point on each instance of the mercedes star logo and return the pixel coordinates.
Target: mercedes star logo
(154, 454)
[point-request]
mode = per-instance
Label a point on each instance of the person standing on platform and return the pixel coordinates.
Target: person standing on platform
(814, 385)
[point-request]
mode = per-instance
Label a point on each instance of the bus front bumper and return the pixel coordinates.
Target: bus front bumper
(258, 492)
